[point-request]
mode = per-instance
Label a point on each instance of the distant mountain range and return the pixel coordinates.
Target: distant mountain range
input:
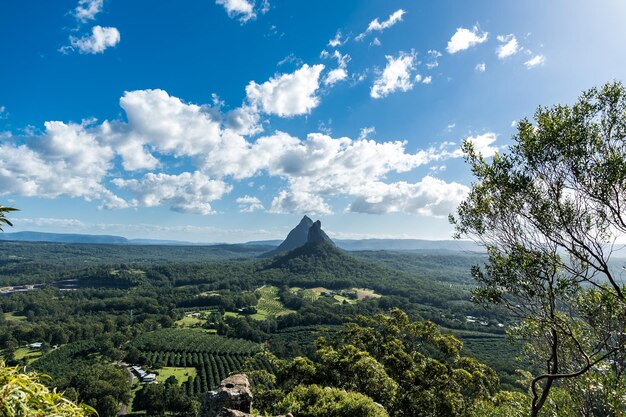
(297, 237)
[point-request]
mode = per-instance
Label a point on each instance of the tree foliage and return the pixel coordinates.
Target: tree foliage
(3, 211)
(408, 367)
(550, 213)
(23, 394)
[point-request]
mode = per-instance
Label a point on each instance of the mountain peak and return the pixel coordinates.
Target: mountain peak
(297, 237)
(316, 235)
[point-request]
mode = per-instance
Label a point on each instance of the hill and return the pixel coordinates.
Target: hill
(63, 238)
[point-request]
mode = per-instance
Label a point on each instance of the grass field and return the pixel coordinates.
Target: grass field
(27, 353)
(362, 293)
(181, 374)
(190, 321)
(12, 317)
(340, 296)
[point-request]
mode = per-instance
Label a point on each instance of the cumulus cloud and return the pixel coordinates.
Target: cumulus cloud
(428, 197)
(92, 160)
(465, 38)
(376, 25)
(185, 193)
(509, 46)
(299, 202)
(481, 67)
(100, 39)
(248, 204)
(287, 95)
(238, 9)
(335, 75)
(396, 75)
(66, 160)
(427, 80)
(535, 61)
(483, 144)
(87, 10)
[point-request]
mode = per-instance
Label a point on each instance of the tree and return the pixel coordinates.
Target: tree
(408, 367)
(3, 219)
(22, 394)
(550, 213)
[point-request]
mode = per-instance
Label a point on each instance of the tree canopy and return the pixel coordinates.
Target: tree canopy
(551, 212)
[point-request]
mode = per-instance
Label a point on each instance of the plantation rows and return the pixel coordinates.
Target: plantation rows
(211, 368)
(185, 340)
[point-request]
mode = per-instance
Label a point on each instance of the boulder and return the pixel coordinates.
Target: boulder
(233, 393)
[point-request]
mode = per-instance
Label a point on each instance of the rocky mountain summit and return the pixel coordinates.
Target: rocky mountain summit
(300, 236)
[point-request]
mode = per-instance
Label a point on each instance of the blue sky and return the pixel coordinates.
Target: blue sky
(228, 120)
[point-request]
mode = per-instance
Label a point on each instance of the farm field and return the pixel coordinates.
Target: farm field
(350, 296)
(181, 374)
(269, 304)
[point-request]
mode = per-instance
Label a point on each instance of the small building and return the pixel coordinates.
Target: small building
(36, 345)
(148, 378)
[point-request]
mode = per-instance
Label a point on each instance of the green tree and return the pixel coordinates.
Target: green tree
(315, 401)
(3, 211)
(23, 394)
(550, 213)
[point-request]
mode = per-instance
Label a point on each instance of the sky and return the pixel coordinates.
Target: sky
(227, 120)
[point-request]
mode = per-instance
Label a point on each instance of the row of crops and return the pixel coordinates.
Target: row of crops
(210, 368)
(193, 341)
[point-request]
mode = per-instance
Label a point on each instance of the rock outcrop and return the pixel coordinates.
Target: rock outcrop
(233, 398)
(317, 236)
(233, 393)
(296, 237)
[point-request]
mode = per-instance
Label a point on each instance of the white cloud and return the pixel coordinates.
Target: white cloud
(376, 25)
(66, 160)
(79, 160)
(535, 61)
(300, 203)
(396, 75)
(248, 204)
(509, 46)
(428, 197)
(242, 9)
(336, 41)
(287, 95)
(186, 192)
(101, 38)
(481, 67)
(465, 38)
(87, 10)
(483, 144)
(243, 121)
(366, 132)
(376, 42)
(336, 75)
(427, 80)
(434, 56)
